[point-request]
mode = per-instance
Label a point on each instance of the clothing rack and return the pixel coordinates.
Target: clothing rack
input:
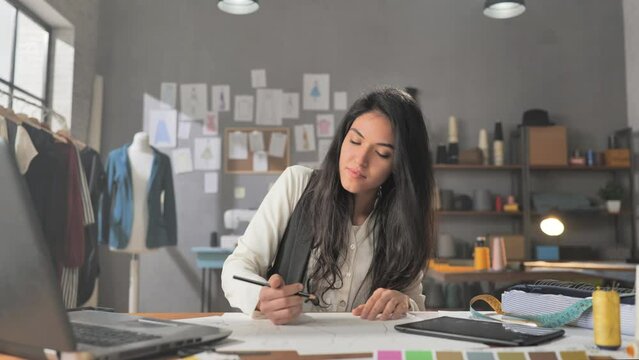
(61, 135)
(46, 111)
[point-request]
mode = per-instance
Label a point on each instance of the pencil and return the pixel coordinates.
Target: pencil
(311, 297)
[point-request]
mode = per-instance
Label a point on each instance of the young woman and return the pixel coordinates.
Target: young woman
(368, 215)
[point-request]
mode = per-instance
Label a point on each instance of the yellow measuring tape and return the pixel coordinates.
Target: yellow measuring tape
(551, 320)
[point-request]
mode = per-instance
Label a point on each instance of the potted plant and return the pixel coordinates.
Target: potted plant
(612, 194)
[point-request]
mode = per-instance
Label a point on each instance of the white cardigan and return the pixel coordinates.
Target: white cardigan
(257, 247)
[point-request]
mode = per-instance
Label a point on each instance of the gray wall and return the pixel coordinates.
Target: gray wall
(566, 56)
(631, 33)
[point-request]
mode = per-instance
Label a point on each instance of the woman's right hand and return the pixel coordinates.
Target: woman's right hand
(279, 302)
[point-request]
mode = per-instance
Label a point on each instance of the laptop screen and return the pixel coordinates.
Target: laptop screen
(32, 315)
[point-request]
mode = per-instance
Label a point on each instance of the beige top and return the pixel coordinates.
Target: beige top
(257, 247)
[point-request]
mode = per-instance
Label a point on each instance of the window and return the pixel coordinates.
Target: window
(24, 59)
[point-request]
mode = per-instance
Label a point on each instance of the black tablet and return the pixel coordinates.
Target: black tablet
(487, 332)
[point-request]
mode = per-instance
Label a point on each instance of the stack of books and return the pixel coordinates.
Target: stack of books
(551, 296)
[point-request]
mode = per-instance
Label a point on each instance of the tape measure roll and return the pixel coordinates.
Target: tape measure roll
(551, 320)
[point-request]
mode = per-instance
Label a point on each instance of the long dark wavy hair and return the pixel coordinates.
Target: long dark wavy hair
(403, 215)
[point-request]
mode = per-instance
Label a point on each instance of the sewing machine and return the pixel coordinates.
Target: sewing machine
(233, 218)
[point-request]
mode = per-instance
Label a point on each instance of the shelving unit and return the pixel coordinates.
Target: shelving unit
(521, 178)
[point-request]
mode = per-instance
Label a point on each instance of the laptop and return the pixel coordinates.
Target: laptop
(33, 320)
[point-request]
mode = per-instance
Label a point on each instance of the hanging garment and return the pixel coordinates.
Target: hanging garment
(96, 181)
(116, 210)
(4, 133)
(25, 150)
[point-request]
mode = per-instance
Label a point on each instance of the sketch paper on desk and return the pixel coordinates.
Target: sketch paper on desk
(324, 333)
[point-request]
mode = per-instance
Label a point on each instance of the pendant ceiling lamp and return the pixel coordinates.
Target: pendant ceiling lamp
(238, 7)
(504, 9)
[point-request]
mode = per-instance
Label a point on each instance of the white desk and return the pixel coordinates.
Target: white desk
(342, 333)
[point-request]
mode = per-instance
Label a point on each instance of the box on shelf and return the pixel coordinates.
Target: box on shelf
(515, 248)
(548, 145)
(617, 157)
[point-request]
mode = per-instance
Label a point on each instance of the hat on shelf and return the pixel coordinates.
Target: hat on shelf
(536, 117)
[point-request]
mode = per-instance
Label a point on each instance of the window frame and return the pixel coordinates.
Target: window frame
(49, 66)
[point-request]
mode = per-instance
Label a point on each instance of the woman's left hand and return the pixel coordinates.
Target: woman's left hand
(389, 304)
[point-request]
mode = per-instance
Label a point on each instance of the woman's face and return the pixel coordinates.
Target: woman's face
(366, 155)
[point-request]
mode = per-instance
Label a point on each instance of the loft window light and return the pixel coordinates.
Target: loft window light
(504, 9)
(238, 7)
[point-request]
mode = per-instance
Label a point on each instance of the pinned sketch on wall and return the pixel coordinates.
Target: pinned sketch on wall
(168, 94)
(316, 92)
(181, 160)
(192, 101)
(162, 128)
(150, 103)
(211, 124)
(340, 100)
(208, 153)
(290, 105)
(304, 138)
(325, 125)
(220, 98)
(269, 107)
(246, 150)
(243, 108)
(277, 145)
(238, 145)
(258, 78)
(256, 141)
(322, 148)
(211, 183)
(184, 130)
(260, 161)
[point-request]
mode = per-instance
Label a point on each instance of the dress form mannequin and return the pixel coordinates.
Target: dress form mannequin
(140, 156)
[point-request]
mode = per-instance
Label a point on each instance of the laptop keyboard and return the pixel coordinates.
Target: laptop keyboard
(104, 336)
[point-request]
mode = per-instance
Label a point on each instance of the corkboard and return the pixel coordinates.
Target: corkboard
(276, 165)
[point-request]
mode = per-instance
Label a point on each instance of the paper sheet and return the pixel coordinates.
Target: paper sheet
(258, 78)
(277, 146)
(208, 153)
(305, 137)
(256, 141)
(269, 107)
(168, 94)
(184, 130)
(220, 98)
(340, 100)
(290, 105)
(238, 145)
(163, 128)
(316, 92)
(192, 101)
(325, 333)
(325, 125)
(211, 124)
(211, 183)
(260, 161)
(243, 108)
(181, 160)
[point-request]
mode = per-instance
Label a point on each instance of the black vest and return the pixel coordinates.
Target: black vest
(294, 249)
